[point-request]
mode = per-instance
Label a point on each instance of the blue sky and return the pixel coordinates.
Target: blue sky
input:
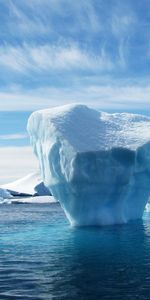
(54, 52)
(58, 51)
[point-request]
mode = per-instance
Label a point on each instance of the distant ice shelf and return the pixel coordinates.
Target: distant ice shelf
(29, 189)
(97, 165)
(28, 200)
(30, 185)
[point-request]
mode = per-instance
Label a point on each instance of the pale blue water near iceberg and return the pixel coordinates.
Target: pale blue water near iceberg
(42, 257)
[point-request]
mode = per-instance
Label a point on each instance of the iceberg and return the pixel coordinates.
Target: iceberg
(29, 200)
(30, 185)
(96, 164)
(4, 194)
(29, 189)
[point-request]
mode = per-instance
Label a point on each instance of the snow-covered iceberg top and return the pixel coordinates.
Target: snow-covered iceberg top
(96, 164)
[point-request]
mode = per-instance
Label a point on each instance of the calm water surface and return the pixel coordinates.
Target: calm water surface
(42, 257)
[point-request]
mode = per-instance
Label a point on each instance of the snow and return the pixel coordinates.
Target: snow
(96, 164)
(28, 185)
(28, 200)
(20, 190)
(35, 200)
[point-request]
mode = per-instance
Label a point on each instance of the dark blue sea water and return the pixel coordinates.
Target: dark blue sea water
(42, 257)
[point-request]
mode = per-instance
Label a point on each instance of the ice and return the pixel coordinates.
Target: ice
(29, 185)
(28, 200)
(34, 200)
(4, 194)
(96, 164)
(147, 207)
(29, 189)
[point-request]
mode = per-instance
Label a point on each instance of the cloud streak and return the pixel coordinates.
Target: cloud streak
(58, 51)
(108, 96)
(48, 58)
(16, 136)
(82, 13)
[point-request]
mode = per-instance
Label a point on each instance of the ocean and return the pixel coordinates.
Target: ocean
(42, 257)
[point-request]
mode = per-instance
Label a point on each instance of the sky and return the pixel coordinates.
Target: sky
(58, 51)
(54, 52)
(16, 155)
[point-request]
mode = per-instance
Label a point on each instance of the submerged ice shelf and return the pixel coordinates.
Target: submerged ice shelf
(97, 165)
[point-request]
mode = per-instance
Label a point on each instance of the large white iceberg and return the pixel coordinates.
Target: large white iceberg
(97, 165)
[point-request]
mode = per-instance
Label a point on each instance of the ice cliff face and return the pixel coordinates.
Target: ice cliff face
(96, 164)
(4, 194)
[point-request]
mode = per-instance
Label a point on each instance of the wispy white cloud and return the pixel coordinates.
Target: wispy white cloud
(47, 58)
(16, 136)
(86, 15)
(103, 96)
(83, 14)
(13, 58)
(21, 20)
(16, 162)
(56, 44)
(123, 24)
